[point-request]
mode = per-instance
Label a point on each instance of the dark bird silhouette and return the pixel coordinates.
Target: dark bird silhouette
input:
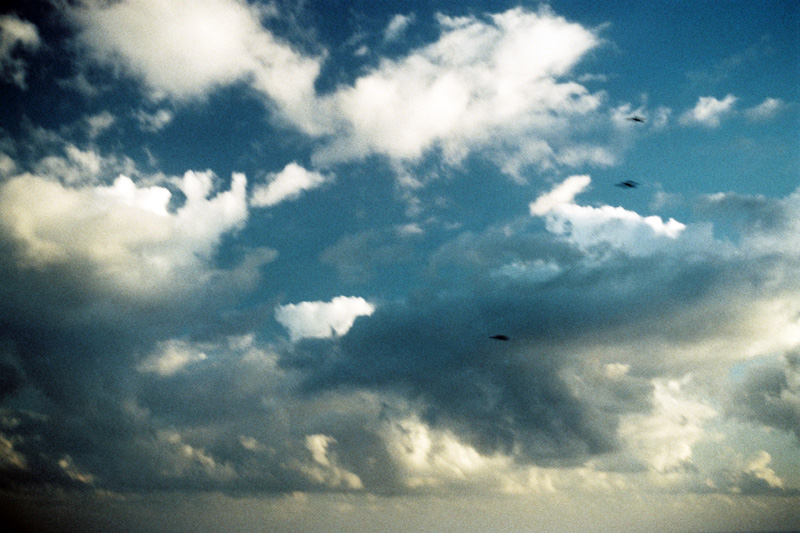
(635, 119)
(499, 337)
(627, 184)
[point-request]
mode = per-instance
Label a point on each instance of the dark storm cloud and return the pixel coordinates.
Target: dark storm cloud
(500, 397)
(565, 310)
(497, 398)
(235, 414)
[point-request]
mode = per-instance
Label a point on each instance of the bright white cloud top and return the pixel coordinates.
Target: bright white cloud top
(482, 82)
(589, 227)
(322, 319)
(709, 111)
(123, 234)
(258, 259)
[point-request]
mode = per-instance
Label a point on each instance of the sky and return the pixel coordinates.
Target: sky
(252, 255)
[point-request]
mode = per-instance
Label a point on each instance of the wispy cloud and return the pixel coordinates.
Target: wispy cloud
(155, 121)
(288, 184)
(397, 26)
(16, 35)
(766, 110)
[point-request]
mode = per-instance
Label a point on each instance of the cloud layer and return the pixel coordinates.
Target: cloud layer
(319, 330)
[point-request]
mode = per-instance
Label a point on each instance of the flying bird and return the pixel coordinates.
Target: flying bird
(635, 119)
(627, 184)
(499, 337)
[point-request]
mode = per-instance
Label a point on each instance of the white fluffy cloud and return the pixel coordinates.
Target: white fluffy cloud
(606, 226)
(481, 82)
(709, 111)
(16, 34)
(287, 184)
(186, 48)
(485, 83)
(322, 319)
(125, 234)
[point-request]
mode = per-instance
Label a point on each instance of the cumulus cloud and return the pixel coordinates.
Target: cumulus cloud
(609, 310)
(15, 35)
(184, 50)
(435, 459)
(497, 84)
(709, 111)
(125, 234)
(664, 437)
(482, 82)
(288, 184)
(592, 227)
(322, 319)
(417, 398)
(639, 310)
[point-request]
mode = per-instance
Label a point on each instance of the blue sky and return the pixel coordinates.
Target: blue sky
(252, 254)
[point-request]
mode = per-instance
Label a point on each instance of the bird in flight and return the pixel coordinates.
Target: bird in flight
(635, 119)
(627, 184)
(499, 337)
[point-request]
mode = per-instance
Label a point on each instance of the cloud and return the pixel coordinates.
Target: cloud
(591, 228)
(432, 459)
(709, 111)
(615, 304)
(322, 319)
(664, 437)
(766, 110)
(482, 83)
(171, 357)
(156, 121)
(359, 257)
(325, 470)
(125, 236)
(288, 184)
(562, 194)
(99, 123)
(497, 85)
(397, 26)
(57, 155)
(417, 398)
(758, 467)
(770, 395)
(184, 50)
(15, 35)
